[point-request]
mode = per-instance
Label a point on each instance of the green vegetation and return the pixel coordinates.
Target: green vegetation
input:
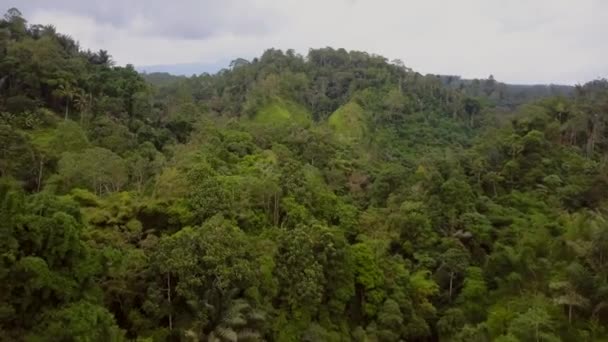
(349, 122)
(280, 111)
(332, 197)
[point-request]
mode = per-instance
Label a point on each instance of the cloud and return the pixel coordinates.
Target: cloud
(520, 41)
(193, 19)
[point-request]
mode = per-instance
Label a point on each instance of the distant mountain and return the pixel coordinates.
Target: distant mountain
(162, 79)
(504, 94)
(185, 69)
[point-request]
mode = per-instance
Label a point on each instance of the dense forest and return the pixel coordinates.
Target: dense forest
(336, 196)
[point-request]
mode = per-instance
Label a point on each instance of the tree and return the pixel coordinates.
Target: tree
(47, 269)
(235, 321)
(368, 279)
(79, 321)
(472, 107)
(67, 137)
(95, 168)
(390, 321)
(450, 322)
(454, 262)
(207, 267)
(473, 297)
(299, 274)
(82, 101)
(15, 152)
(17, 24)
(67, 92)
(568, 296)
(493, 178)
(535, 324)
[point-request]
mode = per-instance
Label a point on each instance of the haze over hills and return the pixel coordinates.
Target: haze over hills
(185, 69)
(189, 69)
(541, 41)
(503, 94)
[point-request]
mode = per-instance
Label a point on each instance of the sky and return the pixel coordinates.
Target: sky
(517, 41)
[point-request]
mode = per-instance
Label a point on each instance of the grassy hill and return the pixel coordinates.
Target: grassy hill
(280, 111)
(348, 122)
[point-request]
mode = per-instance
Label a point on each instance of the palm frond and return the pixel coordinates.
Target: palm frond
(249, 335)
(227, 334)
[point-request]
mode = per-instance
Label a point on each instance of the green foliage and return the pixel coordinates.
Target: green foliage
(97, 169)
(327, 197)
(279, 111)
(349, 122)
(80, 321)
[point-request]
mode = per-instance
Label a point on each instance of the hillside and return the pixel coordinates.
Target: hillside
(327, 197)
(161, 79)
(510, 96)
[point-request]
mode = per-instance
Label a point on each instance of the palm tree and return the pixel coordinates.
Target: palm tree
(233, 322)
(104, 58)
(568, 296)
(49, 30)
(67, 92)
(493, 178)
(229, 319)
(82, 102)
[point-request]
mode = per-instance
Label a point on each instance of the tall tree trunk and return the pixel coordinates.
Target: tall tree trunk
(591, 136)
(40, 174)
(451, 284)
(169, 299)
(276, 209)
(2, 80)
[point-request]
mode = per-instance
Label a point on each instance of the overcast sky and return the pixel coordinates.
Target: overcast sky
(518, 41)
